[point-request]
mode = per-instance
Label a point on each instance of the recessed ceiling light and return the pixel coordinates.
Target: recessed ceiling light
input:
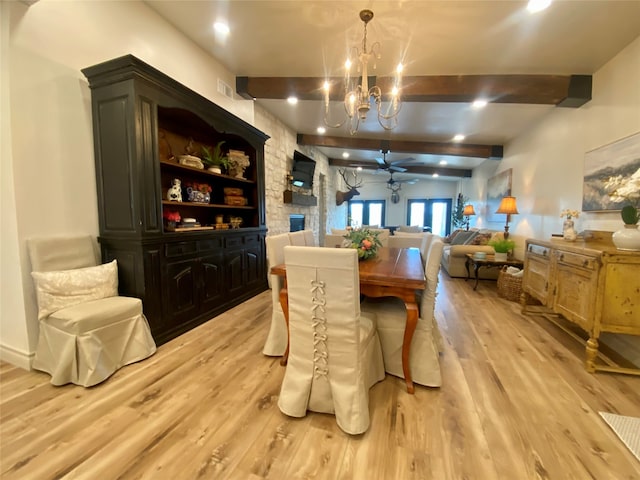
(221, 27)
(443, 162)
(435, 175)
(292, 100)
(479, 104)
(321, 130)
(535, 6)
(345, 154)
(458, 138)
(359, 169)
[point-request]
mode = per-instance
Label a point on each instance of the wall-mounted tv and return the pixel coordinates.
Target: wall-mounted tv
(302, 171)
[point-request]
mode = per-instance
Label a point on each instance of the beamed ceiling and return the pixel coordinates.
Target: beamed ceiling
(454, 52)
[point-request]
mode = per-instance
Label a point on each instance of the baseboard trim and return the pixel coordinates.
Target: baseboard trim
(16, 357)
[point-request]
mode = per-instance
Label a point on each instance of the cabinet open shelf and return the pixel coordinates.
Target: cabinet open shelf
(143, 122)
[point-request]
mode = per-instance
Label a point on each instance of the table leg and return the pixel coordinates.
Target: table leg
(284, 303)
(410, 328)
(476, 267)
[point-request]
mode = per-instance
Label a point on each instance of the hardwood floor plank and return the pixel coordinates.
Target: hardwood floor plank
(516, 402)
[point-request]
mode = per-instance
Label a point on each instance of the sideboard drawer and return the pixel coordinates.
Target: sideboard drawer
(577, 260)
(538, 250)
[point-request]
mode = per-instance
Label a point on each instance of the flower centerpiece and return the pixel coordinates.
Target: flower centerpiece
(364, 241)
(626, 189)
(568, 227)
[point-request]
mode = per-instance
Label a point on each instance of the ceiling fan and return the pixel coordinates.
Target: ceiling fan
(384, 166)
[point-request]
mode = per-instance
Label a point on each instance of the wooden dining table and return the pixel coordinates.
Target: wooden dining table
(393, 272)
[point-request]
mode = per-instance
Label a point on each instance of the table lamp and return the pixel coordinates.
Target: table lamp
(507, 206)
(468, 211)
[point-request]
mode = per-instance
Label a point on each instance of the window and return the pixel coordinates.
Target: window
(434, 213)
(366, 212)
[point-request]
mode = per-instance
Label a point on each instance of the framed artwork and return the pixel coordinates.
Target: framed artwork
(498, 186)
(620, 158)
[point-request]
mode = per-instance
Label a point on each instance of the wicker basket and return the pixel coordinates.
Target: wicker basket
(509, 286)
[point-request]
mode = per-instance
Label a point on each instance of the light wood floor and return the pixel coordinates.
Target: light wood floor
(516, 404)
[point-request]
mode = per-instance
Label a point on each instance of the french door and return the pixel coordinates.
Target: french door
(434, 213)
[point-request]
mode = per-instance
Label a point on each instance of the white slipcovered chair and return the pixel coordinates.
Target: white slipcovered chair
(276, 342)
(333, 241)
(383, 235)
(334, 352)
(309, 239)
(87, 331)
(425, 240)
(427, 341)
(297, 238)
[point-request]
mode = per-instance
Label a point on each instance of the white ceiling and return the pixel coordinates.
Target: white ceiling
(311, 39)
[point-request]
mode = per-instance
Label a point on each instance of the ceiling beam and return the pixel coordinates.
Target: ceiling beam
(561, 90)
(418, 170)
(494, 152)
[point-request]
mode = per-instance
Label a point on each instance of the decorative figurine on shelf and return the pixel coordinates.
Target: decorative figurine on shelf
(238, 162)
(174, 194)
(189, 159)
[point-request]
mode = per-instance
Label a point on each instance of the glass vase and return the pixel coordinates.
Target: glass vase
(627, 238)
(568, 230)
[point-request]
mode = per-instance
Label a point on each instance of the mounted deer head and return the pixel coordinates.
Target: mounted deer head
(342, 197)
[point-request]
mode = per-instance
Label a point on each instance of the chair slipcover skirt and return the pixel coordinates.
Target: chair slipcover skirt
(82, 345)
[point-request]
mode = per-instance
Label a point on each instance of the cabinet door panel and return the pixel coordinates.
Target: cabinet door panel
(212, 282)
(253, 268)
(234, 272)
(537, 276)
(182, 293)
(575, 295)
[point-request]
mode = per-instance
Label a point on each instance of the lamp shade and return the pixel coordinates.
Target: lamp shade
(508, 206)
(468, 210)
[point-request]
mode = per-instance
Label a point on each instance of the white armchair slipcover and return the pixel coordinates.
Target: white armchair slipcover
(425, 240)
(309, 239)
(87, 331)
(297, 238)
(334, 355)
(276, 342)
(427, 341)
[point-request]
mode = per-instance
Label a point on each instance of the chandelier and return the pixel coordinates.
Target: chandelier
(357, 96)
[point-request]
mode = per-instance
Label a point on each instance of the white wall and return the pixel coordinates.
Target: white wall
(548, 161)
(48, 175)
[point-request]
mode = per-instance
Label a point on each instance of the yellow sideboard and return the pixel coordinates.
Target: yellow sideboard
(590, 283)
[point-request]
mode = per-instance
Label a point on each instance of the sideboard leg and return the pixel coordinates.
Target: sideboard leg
(592, 353)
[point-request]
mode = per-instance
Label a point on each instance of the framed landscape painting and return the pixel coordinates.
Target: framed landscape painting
(498, 186)
(618, 159)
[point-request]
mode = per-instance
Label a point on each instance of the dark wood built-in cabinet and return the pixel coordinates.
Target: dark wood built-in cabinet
(143, 121)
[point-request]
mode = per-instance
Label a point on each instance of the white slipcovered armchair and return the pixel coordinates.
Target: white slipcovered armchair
(427, 342)
(87, 331)
(334, 355)
(276, 342)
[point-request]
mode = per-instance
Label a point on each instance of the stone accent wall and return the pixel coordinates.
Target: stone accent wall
(278, 161)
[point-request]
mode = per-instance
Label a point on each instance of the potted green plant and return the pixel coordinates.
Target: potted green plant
(214, 159)
(502, 246)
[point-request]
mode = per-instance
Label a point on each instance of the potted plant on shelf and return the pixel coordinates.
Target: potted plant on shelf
(502, 248)
(214, 159)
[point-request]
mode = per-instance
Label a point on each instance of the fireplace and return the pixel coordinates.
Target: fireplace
(296, 223)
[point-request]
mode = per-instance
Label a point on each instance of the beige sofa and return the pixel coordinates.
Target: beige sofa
(463, 242)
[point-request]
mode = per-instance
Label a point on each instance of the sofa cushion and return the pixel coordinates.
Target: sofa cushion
(481, 239)
(449, 238)
(464, 238)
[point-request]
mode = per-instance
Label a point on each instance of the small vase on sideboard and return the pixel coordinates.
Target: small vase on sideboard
(627, 238)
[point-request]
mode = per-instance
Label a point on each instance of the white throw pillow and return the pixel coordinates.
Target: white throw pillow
(61, 289)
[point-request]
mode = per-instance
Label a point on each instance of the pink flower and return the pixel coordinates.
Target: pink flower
(366, 244)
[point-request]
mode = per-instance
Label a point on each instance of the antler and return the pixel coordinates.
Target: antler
(357, 183)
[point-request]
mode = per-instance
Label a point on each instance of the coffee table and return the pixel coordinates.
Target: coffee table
(489, 262)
